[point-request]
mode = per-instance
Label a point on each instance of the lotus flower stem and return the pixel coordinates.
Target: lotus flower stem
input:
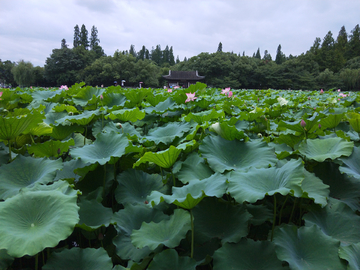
(10, 151)
(104, 184)
(282, 207)
(274, 219)
(292, 211)
(36, 261)
(174, 180)
(192, 234)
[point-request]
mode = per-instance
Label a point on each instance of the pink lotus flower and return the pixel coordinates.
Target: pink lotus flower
(230, 94)
(169, 90)
(321, 91)
(101, 97)
(176, 87)
(342, 95)
(303, 123)
(190, 97)
(339, 90)
(64, 87)
(225, 91)
(1, 94)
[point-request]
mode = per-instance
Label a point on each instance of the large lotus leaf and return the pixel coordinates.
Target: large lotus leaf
(93, 215)
(25, 172)
(307, 248)
(128, 219)
(164, 159)
(50, 148)
(134, 186)
(190, 195)
(352, 255)
(61, 132)
(44, 94)
(331, 120)
(204, 116)
(161, 107)
(260, 213)
(125, 128)
(255, 184)
(342, 187)
(336, 220)
(216, 219)
(52, 117)
(247, 254)
(13, 126)
(321, 149)
(113, 99)
(34, 220)
(169, 259)
(87, 95)
(40, 130)
(289, 139)
(235, 155)
(351, 164)
(79, 258)
(137, 95)
(4, 154)
(166, 134)
(106, 146)
(314, 188)
(5, 259)
(82, 119)
(65, 107)
(194, 168)
(68, 171)
(126, 115)
(227, 131)
(354, 120)
(167, 232)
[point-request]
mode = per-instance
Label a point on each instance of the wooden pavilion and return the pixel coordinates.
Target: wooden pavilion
(182, 78)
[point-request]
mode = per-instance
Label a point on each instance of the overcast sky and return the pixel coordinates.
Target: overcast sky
(31, 29)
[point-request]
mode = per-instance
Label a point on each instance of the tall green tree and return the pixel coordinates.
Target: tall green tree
(141, 53)
(6, 76)
(84, 41)
(340, 49)
(280, 56)
(76, 41)
(94, 40)
(354, 43)
(166, 55)
(267, 56)
(132, 50)
(327, 53)
(219, 49)
(257, 55)
(156, 55)
(171, 57)
(63, 43)
(23, 73)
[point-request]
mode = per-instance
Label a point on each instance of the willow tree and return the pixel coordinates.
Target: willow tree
(23, 73)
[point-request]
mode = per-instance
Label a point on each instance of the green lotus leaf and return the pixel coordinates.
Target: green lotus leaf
(307, 248)
(228, 132)
(215, 219)
(128, 219)
(25, 172)
(50, 148)
(79, 258)
(87, 95)
(247, 254)
(289, 139)
(13, 126)
(61, 132)
(190, 195)
(44, 94)
(126, 115)
(255, 184)
(65, 107)
(5, 259)
(161, 107)
(321, 149)
(342, 187)
(169, 259)
(235, 155)
(4, 154)
(134, 186)
(93, 215)
(40, 130)
(166, 134)
(34, 220)
(260, 213)
(167, 232)
(331, 121)
(125, 128)
(314, 188)
(136, 96)
(164, 159)
(187, 172)
(351, 164)
(82, 119)
(61, 186)
(106, 146)
(113, 100)
(336, 220)
(354, 120)
(53, 117)
(351, 253)
(204, 116)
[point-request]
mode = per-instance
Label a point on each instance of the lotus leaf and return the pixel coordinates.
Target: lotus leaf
(247, 254)
(50, 148)
(169, 259)
(314, 188)
(166, 134)
(128, 219)
(34, 220)
(235, 155)
(82, 119)
(164, 159)
(167, 232)
(255, 184)
(125, 115)
(93, 215)
(307, 248)
(25, 172)
(351, 164)
(351, 253)
(321, 149)
(336, 220)
(106, 146)
(78, 258)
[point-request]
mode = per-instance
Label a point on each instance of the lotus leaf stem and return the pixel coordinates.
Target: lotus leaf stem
(292, 211)
(274, 219)
(192, 234)
(10, 151)
(36, 261)
(282, 207)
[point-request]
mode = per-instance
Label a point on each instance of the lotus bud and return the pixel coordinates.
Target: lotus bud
(319, 126)
(303, 123)
(259, 135)
(58, 151)
(118, 125)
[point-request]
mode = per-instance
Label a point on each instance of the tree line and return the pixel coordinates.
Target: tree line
(329, 63)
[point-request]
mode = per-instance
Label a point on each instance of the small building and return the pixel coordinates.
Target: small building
(182, 78)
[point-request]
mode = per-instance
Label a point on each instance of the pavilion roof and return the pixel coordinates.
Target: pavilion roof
(183, 75)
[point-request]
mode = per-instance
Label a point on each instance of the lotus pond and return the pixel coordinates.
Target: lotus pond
(196, 178)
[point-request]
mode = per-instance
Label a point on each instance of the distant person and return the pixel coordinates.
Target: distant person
(115, 82)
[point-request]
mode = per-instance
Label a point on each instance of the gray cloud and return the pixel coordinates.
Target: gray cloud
(29, 30)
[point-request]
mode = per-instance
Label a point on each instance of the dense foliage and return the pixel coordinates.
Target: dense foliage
(197, 178)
